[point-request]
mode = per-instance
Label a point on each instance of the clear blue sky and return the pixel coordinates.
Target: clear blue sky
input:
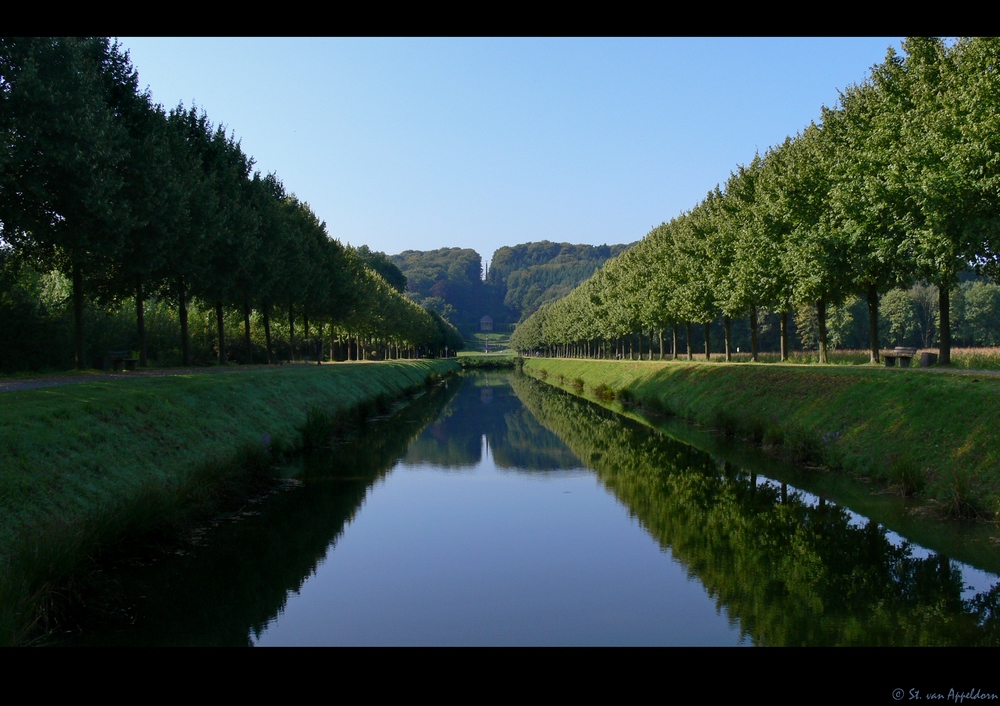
(426, 143)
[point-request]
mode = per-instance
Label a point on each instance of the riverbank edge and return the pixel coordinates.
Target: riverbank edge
(911, 431)
(156, 491)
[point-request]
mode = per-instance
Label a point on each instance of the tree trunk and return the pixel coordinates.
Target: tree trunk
(944, 332)
(729, 339)
(78, 315)
(183, 314)
(873, 322)
(140, 315)
(661, 344)
(753, 333)
(690, 353)
(305, 327)
(673, 352)
(220, 322)
(291, 332)
(708, 347)
(821, 319)
(784, 336)
(246, 332)
(267, 332)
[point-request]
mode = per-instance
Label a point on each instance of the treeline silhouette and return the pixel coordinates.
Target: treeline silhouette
(132, 204)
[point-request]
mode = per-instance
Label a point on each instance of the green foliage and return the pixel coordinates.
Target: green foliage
(448, 276)
(898, 319)
(859, 419)
(603, 391)
(94, 466)
(380, 263)
(791, 570)
(489, 362)
(905, 477)
(529, 275)
(135, 206)
(896, 185)
(979, 318)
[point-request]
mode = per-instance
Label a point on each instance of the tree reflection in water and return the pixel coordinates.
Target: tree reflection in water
(791, 572)
(788, 571)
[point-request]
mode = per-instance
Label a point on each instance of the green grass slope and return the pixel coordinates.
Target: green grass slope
(92, 464)
(915, 431)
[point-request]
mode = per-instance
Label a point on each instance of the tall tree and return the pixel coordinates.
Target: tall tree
(948, 161)
(64, 150)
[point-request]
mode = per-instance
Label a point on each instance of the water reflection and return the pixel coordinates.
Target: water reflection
(240, 574)
(471, 517)
(486, 406)
(792, 571)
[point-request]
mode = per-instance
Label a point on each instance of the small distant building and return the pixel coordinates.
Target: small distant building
(486, 323)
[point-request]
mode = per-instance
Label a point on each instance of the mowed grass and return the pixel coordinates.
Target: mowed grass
(83, 466)
(914, 431)
(65, 450)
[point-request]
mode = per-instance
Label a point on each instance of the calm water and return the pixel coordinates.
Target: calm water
(500, 511)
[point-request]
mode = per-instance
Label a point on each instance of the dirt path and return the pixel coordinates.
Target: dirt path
(11, 384)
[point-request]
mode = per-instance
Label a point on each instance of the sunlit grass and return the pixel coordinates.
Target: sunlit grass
(912, 431)
(91, 465)
(973, 358)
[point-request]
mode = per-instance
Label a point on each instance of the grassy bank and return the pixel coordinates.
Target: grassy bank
(912, 431)
(93, 466)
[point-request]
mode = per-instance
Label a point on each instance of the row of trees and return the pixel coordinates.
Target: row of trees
(130, 201)
(899, 183)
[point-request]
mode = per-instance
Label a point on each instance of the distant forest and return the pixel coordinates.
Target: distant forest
(522, 277)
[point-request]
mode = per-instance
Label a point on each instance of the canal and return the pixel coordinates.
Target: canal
(498, 510)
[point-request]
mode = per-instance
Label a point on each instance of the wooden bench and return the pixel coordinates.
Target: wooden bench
(119, 360)
(903, 354)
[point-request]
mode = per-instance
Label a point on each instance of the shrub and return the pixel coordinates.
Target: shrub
(959, 498)
(904, 477)
(773, 435)
(724, 422)
(755, 429)
(317, 428)
(604, 392)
